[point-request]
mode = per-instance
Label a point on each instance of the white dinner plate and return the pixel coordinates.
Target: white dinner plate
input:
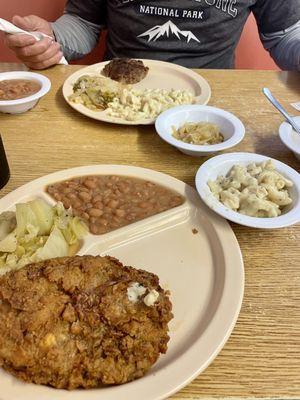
(196, 256)
(161, 75)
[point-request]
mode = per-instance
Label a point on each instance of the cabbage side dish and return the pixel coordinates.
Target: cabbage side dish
(200, 133)
(94, 92)
(37, 231)
(256, 190)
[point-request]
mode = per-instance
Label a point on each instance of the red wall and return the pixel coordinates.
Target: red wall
(250, 53)
(50, 10)
(44, 8)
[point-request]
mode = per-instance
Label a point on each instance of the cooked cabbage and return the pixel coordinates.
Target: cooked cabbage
(37, 231)
(7, 223)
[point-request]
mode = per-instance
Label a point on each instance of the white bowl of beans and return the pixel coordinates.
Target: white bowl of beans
(199, 130)
(21, 90)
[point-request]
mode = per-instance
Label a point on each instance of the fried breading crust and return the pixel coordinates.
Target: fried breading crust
(68, 323)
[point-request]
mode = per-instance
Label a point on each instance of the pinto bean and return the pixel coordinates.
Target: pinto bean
(96, 198)
(76, 203)
(57, 196)
(113, 203)
(93, 228)
(72, 195)
(98, 205)
(144, 205)
(91, 184)
(85, 196)
(103, 221)
(95, 212)
(67, 190)
(85, 216)
(120, 213)
(66, 202)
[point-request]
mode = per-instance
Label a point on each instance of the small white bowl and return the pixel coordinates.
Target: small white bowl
(231, 127)
(290, 138)
(220, 165)
(21, 105)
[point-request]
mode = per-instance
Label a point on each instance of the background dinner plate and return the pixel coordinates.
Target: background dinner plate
(196, 256)
(162, 75)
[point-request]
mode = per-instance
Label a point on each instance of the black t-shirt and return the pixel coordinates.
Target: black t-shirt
(193, 33)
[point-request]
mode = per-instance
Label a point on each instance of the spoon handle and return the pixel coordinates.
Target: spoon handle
(279, 107)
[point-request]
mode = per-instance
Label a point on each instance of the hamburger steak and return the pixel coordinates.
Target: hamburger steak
(81, 321)
(125, 70)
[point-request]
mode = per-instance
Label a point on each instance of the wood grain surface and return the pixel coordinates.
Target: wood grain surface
(262, 357)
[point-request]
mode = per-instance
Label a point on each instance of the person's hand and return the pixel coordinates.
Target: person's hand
(35, 54)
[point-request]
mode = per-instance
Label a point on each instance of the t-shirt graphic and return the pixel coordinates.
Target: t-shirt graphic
(179, 31)
(167, 29)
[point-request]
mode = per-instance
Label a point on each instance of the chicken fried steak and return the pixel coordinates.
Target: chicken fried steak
(125, 70)
(81, 322)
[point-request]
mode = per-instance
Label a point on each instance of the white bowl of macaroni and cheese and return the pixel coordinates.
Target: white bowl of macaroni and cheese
(250, 189)
(199, 130)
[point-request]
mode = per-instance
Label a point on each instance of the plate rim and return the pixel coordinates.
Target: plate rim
(233, 289)
(89, 113)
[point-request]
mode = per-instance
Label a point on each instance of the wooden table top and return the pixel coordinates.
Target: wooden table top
(262, 357)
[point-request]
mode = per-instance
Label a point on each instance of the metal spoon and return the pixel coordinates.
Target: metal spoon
(279, 107)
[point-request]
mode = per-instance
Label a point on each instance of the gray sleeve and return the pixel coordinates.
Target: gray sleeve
(284, 47)
(76, 35)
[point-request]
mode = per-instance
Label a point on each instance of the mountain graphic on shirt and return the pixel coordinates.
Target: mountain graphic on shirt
(164, 30)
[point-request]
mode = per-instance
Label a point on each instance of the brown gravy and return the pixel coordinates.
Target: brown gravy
(13, 89)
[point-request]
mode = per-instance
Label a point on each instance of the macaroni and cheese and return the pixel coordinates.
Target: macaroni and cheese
(257, 190)
(133, 105)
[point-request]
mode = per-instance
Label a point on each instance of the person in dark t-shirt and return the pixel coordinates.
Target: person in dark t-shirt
(192, 33)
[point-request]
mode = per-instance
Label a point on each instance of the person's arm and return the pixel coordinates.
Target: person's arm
(284, 47)
(76, 36)
(35, 54)
(279, 27)
(78, 30)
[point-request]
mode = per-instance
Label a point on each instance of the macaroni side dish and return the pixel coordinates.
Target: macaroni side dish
(133, 105)
(99, 93)
(200, 133)
(256, 190)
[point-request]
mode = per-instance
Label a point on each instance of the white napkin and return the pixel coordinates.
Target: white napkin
(10, 28)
